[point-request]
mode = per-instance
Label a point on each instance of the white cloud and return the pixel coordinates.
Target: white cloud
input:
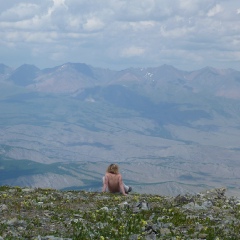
(124, 32)
(142, 25)
(57, 4)
(188, 5)
(132, 51)
(177, 32)
(93, 24)
(19, 12)
(74, 22)
(215, 10)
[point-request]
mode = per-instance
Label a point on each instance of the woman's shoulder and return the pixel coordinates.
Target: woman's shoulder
(113, 174)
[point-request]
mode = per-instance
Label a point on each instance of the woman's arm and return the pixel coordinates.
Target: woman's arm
(121, 185)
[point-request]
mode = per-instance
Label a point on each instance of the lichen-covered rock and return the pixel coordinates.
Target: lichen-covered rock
(3, 207)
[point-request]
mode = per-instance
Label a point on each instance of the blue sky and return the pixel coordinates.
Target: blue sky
(118, 34)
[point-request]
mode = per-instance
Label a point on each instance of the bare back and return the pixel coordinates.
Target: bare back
(114, 183)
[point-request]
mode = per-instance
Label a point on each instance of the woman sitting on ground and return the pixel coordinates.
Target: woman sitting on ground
(113, 181)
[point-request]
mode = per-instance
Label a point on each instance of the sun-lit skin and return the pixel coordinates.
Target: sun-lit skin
(113, 180)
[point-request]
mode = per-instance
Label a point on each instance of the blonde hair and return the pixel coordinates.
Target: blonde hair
(113, 168)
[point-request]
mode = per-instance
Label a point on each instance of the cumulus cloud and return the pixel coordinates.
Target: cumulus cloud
(185, 33)
(132, 51)
(215, 10)
(19, 12)
(93, 24)
(57, 5)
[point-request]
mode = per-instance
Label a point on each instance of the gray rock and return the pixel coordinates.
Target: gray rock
(28, 190)
(123, 205)
(53, 238)
(151, 236)
(134, 237)
(164, 231)
(3, 207)
(207, 204)
(12, 221)
(194, 206)
(142, 206)
(104, 209)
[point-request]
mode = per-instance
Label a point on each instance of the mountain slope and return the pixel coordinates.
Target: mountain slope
(24, 75)
(170, 130)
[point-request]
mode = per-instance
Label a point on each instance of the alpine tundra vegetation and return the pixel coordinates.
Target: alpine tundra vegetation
(50, 214)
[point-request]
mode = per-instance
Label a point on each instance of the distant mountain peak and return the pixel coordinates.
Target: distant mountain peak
(24, 74)
(27, 67)
(74, 77)
(79, 67)
(4, 69)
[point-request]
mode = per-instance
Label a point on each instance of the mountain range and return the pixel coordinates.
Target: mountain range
(171, 131)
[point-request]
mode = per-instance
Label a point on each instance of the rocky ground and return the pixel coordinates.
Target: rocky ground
(43, 214)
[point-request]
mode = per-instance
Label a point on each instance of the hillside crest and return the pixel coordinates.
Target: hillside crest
(51, 214)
